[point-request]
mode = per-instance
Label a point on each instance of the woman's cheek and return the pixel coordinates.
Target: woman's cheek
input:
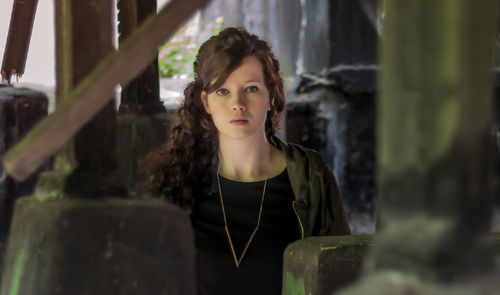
(216, 116)
(215, 113)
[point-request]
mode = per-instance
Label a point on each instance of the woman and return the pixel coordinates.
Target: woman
(249, 193)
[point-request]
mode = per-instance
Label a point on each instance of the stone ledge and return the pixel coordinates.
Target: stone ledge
(322, 265)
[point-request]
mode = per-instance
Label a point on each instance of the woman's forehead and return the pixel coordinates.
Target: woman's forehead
(250, 70)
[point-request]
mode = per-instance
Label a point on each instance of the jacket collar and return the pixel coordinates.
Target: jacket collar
(285, 147)
(298, 166)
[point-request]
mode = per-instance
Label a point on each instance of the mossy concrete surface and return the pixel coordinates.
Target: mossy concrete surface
(322, 265)
(20, 110)
(137, 135)
(105, 246)
(495, 240)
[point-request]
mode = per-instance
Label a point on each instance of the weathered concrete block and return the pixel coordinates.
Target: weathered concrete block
(396, 280)
(137, 135)
(20, 110)
(108, 246)
(321, 265)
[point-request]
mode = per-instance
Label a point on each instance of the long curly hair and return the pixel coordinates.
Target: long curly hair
(186, 161)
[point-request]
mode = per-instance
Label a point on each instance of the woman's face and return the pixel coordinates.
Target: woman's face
(239, 107)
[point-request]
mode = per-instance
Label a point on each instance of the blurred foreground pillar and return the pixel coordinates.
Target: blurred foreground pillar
(81, 233)
(434, 119)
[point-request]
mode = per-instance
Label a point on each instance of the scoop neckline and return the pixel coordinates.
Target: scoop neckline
(258, 181)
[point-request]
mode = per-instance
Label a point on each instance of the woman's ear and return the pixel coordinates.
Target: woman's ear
(204, 99)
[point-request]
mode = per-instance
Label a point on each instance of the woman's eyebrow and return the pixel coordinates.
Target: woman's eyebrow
(253, 81)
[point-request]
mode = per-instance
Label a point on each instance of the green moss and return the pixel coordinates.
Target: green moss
(18, 272)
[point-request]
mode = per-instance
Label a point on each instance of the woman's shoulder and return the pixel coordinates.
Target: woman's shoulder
(297, 153)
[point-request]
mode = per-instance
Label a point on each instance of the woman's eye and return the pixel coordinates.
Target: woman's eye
(221, 91)
(252, 89)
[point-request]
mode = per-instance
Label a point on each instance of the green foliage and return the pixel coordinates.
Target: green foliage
(177, 56)
(174, 63)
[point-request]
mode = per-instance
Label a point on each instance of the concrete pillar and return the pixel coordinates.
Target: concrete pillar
(20, 110)
(434, 119)
(142, 94)
(105, 246)
(86, 166)
(81, 233)
(435, 111)
(143, 122)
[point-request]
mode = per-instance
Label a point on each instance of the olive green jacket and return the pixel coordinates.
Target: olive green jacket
(318, 202)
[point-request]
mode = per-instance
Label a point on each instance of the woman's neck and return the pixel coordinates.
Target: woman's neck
(246, 159)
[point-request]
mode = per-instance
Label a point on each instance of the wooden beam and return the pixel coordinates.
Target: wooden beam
(97, 89)
(18, 40)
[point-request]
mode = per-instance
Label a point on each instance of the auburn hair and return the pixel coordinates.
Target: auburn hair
(185, 162)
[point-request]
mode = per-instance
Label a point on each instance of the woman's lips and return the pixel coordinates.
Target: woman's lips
(239, 121)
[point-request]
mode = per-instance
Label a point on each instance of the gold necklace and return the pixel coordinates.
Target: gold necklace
(236, 260)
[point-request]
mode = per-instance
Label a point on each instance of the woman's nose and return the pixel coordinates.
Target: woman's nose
(239, 104)
(239, 107)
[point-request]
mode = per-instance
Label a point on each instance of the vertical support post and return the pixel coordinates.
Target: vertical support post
(142, 94)
(95, 142)
(434, 121)
(143, 121)
(84, 166)
(435, 111)
(64, 48)
(64, 161)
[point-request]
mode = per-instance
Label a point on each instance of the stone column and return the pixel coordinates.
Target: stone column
(143, 122)
(81, 233)
(20, 110)
(434, 119)
(435, 112)
(85, 166)
(142, 94)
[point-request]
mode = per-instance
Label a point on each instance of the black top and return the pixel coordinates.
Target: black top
(261, 269)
